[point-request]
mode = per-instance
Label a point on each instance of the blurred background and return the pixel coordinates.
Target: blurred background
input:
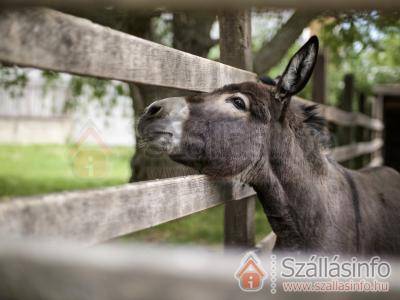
(52, 125)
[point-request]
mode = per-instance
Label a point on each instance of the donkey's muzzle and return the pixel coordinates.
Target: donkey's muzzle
(161, 124)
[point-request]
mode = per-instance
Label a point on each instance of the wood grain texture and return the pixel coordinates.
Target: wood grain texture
(344, 118)
(377, 112)
(47, 39)
(267, 244)
(376, 162)
(208, 4)
(235, 38)
(387, 89)
(344, 153)
(362, 134)
(99, 215)
(51, 40)
(125, 272)
(235, 45)
(239, 223)
(117, 272)
(345, 135)
(272, 51)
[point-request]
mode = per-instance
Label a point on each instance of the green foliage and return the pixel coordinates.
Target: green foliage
(51, 79)
(280, 68)
(265, 24)
(13, 80)
(365, 44)
(162, 29)
(105, 92)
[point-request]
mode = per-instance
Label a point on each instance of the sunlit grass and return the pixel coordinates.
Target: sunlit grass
(31, 170)
(203, 228)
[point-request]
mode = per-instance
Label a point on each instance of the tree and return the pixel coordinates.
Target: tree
(191, 33)
(274, 50)
(362, 43)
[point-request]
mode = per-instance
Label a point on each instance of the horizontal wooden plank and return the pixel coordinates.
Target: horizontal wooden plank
(344, 153)
(124, 272)
(47, 39)
(387, 89)
(367, 122)
(98, 215)
(376, 162)
(344, 118)
(207, 4)
(267, 244)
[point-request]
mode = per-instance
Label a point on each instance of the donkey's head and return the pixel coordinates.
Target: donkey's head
(225, 132)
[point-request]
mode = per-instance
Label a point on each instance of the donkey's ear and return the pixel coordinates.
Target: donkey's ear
(299, 70)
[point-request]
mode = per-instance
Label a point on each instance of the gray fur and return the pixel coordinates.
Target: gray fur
(312, 202)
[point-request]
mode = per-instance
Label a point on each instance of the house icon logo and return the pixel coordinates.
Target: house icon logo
(89, 155)
(251, 275)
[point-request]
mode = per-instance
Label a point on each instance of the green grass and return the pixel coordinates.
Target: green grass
(204, 228)
(31, 170)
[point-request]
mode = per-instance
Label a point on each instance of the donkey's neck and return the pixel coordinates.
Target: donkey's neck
(288, 182)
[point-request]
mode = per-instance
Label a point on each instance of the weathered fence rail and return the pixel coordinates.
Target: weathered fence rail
(345, 118)
(347, 152)
(122, 272)
(207, 4)
(95, 216)
(47, 39)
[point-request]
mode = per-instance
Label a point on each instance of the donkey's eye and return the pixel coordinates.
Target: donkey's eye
(238, 102)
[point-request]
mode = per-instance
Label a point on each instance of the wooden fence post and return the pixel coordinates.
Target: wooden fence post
(377, 112)
(345, 134)
(361, 134)
(235, 48)
(319, 80)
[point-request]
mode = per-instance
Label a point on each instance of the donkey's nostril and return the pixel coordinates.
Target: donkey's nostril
(154, 110)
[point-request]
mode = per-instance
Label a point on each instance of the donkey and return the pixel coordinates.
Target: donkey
(254, 132)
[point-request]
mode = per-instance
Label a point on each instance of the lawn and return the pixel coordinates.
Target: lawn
(31, 170)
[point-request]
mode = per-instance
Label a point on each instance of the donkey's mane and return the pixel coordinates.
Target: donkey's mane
(313, 120)
(316, 123)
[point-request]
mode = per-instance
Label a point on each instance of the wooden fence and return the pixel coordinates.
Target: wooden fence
(126, 272)
(46, 39)
(207, 4)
